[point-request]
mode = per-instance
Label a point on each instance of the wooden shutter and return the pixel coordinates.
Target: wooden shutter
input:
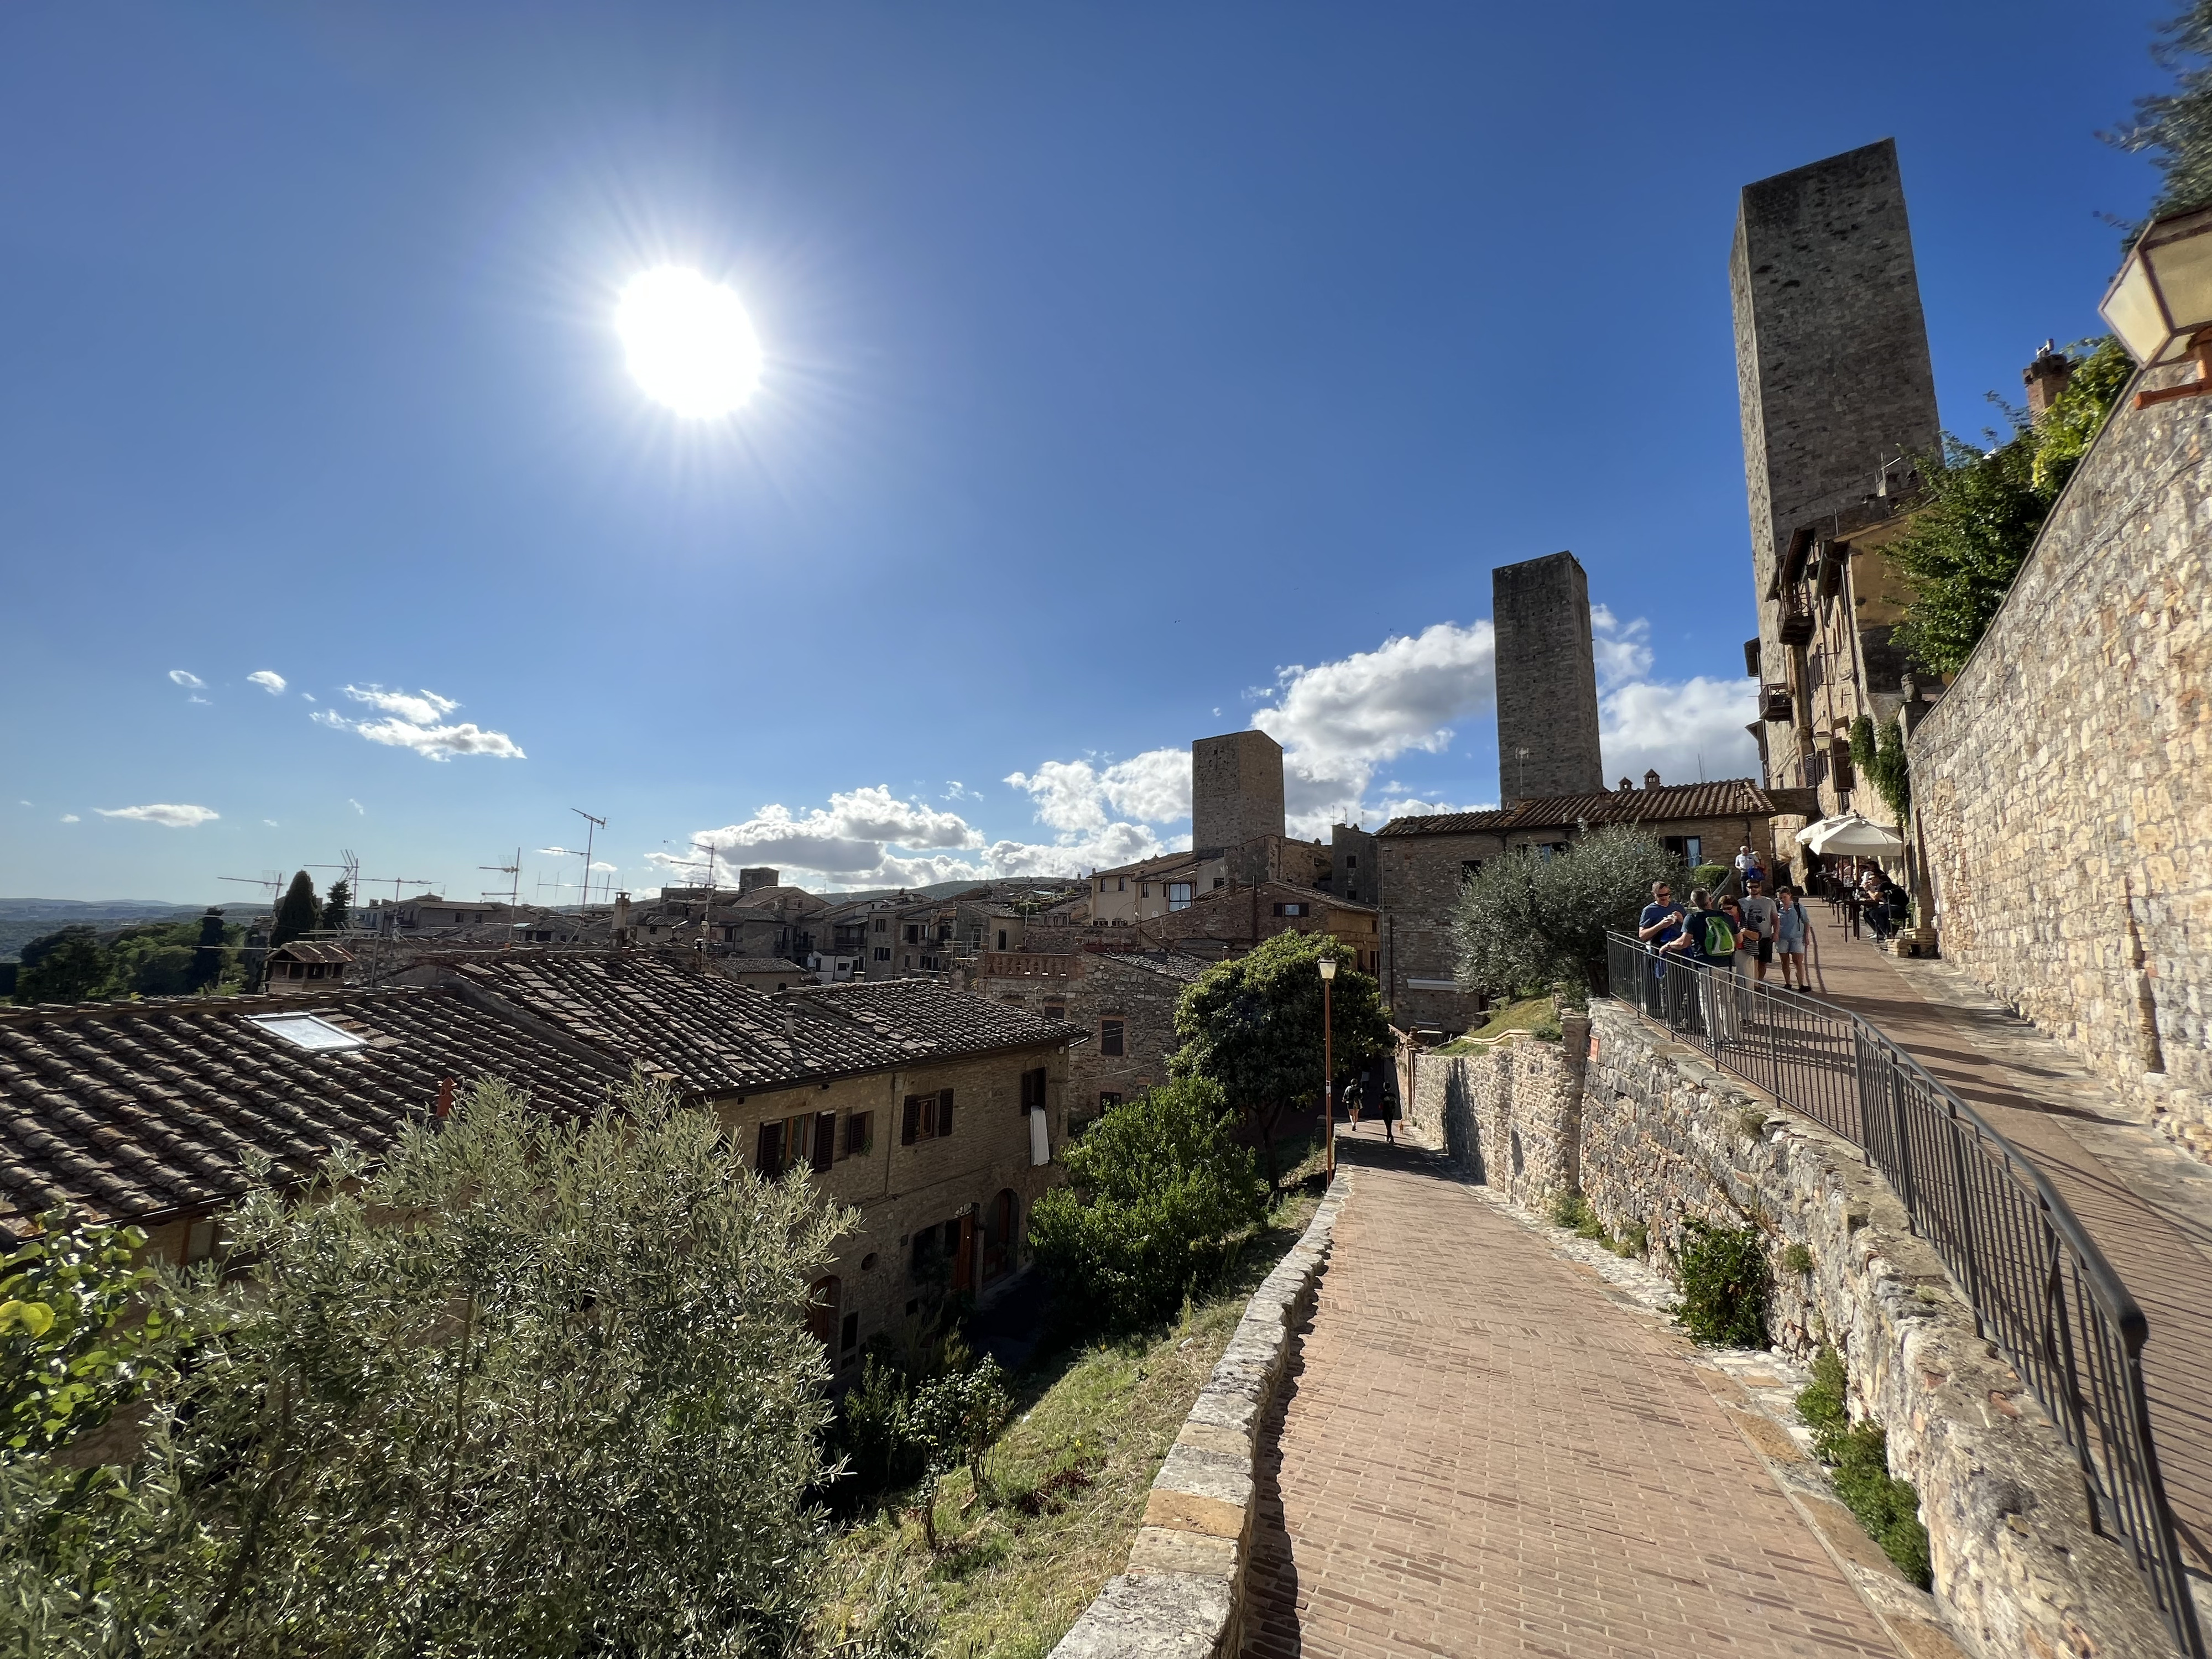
(912, 1126)
(769, 1160)
(945, 1113)
(825, 1140)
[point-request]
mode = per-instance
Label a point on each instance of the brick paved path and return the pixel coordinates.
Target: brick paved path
(1481, 1454)
(2147, 1205)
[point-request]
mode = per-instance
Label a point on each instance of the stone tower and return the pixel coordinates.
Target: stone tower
(1831, 348)
(1236, 789)
(1547, 680)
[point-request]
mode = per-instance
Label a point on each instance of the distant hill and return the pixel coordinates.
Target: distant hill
(22, 920)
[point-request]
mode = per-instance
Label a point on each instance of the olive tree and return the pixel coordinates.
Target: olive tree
(1533, 919)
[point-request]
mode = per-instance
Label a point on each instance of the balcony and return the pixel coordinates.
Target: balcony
(1774, 703)
(1025, 964)
(1797, 625)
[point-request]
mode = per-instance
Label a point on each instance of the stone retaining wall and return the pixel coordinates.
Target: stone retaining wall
(1183, 1597)
(1658, 1136)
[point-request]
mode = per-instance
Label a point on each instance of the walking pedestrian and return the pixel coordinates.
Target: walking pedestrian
(1758, 917)
(1789, 926)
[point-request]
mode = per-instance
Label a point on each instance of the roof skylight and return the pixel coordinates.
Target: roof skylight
(311, 1032)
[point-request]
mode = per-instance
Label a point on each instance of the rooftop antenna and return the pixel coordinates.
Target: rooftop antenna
(397, 881)
(274, 883)
(592, 826)
(515, 888)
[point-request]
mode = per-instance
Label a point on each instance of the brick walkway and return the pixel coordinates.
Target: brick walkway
(2147, 1205)
(1479, 1454)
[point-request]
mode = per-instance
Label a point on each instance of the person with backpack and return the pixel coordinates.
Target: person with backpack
(1708, 938)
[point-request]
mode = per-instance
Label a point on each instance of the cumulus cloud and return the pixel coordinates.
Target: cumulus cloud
(189, 681)
(269, 680)
(1684, 731)
(1080, 799)
(1623, 648)
(70, 818)
(167, 816)
(417, 720)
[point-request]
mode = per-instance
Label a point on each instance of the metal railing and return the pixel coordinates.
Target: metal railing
(2038, 1285)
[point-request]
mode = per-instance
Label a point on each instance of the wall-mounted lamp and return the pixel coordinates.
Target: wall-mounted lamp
(2160, 304)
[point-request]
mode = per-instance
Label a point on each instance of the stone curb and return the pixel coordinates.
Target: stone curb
(1182, 1596)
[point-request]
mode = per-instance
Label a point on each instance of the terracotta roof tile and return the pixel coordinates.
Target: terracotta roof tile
(1726, 797)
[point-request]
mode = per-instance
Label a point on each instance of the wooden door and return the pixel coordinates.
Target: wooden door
(964, 1263)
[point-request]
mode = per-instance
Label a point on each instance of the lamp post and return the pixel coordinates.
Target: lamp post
(2160, 304)
(1327, 1065)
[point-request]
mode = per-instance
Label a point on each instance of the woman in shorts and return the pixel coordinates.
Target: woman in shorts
(1789, 925)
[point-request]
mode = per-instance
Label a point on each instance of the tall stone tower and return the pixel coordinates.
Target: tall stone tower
(1831, 348)
(1547, 680)
(1236, 789)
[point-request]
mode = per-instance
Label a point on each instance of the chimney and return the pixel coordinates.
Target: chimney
(1651, 779)
(1628, 783)
(2045, 378)
(622, 920)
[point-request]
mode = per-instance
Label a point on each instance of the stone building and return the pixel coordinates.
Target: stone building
(1124, 999)
(1424, 861)
(1836, 395)
(1235, 918)
(1236, 789)
(936, 1113)
(306, 968)
(1548, 725)
(1131, 894)
(1352, 871)
(2062, 789)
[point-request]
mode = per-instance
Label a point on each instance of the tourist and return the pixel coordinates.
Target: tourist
(1704, 936)
(1758, 915)
(1874, 903)
(1790, 924)
(1740, 959)
(1661, 919)
(1747, 867)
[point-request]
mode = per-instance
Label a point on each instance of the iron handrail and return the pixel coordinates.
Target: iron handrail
(2083, 1362)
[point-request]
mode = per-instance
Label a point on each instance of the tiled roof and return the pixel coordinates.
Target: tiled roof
(1169, 964)
(1727, 798)
(301, 949)
(757, 965)
(718, 1036)
(135, 1110)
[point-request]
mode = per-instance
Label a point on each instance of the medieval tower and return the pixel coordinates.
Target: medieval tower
(1548, 740)
(1236, 789)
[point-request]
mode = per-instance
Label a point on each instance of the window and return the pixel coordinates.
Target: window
(1121, 884)
(1144, 889)
(1033, 1089)
(883, 953)
(1178, 896)
(1108, 1100)
(1110, 1038)
(1351, 861)
(1688, 848)
(1102, 883)
(1292, 908)
(1055, 1011)
(769, 1157)
(1221, 881)
(859, 1133)
(1002, 938)
(822, 1309)
(307, 1031)
(825, 1140)
(928, 1117)
(883, 925)
(914, 933)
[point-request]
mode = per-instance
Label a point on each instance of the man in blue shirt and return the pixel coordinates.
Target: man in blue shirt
(1661, 919)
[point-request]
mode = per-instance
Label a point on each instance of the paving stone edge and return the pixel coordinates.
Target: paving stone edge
(1182, 1594)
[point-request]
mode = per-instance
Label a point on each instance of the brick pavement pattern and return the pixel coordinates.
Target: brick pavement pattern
(1479, 1454)
(2032, 1092)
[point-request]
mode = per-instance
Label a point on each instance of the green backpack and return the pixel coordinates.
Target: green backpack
(1720, 937)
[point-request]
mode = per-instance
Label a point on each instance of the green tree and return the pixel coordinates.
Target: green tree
(952, 1420)
(533, 1388)
(297, 912)
(1964, 547)
(209, 956)
(1157, 1190)
(1526, 920)
(2176, 127)
(1253, 1024)
(69, 965)
(337, 909)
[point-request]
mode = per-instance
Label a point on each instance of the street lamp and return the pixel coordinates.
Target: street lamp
(2160, 304)
(1327, 1065)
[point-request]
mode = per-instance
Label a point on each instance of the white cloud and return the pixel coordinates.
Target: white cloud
(357, 806)
(272, 823)
(184, 677)
(70, 818)
(169, 817)
(1078, 799)
(417, 721)
(309, 695)
(1623, 648)
(269, 680)
(1684, 731)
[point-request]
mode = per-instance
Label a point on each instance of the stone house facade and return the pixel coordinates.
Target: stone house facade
(1235, 918)
(2063, 786)
(1129, 894)
(1353, 873)
(1124, 999)
(1424, 861)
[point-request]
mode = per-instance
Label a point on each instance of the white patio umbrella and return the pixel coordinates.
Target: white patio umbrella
(1851, 836)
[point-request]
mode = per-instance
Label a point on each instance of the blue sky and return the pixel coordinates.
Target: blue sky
(1133, 373)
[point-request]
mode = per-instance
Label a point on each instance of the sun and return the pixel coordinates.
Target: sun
(690, 344)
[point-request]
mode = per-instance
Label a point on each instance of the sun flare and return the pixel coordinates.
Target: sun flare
(690, 344)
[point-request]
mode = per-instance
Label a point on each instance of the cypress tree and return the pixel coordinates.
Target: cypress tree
(207, 954)
(298, 912)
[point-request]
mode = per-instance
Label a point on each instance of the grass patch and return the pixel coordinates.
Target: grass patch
(1063, 1486)
(1573, 1211)
(1534, 1014)
(1857, 1457)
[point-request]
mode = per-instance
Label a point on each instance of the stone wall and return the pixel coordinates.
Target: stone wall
(2063, 786)
(1655, 1136)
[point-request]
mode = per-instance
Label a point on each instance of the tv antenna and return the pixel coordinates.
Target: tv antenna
(592, 826)
(398, 881)
(274, 882)
(514, 886)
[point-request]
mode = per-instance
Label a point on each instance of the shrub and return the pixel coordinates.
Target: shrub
(1526, 921)
(1857, 1455)
(1156, 1193)
(1724, 1284)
